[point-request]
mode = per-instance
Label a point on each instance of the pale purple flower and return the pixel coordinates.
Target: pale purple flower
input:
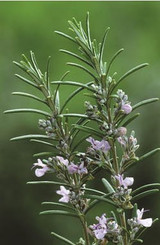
(65, 194)
(99, 232)
(121, 131)
(144, 222)
(128, 181)
(63, 161)
(102, 220)
(80, 169)
(100, 229)
(126, 108)
(99, 145)
(39, 172)
(72, 168)
(122, 141)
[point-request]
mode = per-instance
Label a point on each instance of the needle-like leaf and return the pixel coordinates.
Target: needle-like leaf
(62, 238)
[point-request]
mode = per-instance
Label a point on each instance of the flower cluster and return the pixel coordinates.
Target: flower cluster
(137, 222)
(129, 146)
(59, 165)
(96, 145)
(106, 228)
(123, 104)
(71, 167)
(91, 110)
(74, 197)
(122, 195)
(49, 126)
(100, 94)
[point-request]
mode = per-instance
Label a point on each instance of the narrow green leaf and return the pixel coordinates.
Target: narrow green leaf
(29, 96)
(35, 65)
(73, 115)
(88, 31)
(144, 102)
(45, 182)
(47, 72)
(144, 194)
(131, 119)
(72, 95)
(85, 49)
(80, 141)
(43, 142)
(44, 113)
(57, 204)
(27, 81)
(89, 130)
(137, 240)
(58, 212)
(64, 75)
(148, 154)
(85, 86)
(62, 238)
(130, 72)
(92, 204)
(78, 30)
(108, 185)
(103, 43)
(57, 101)
(57, 89)
(41, 154)
(112, 60)
(30, 136)
(21, 66)
(65, 35)
(83, 68)
(134, 210)
(100, 198)
(76, 56)
(74, 131)
(145, 187)
(114, 216)
(93, 190)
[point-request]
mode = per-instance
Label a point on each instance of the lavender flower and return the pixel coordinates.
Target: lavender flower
(106, 227)
(102, 145)
(126, 108)
(39, 172)
(73, 168)
(123, 103)
(65, 194)
(144, 222)
(137, 222)
(128, 181)
(100, 229)
(121, 131)
(63, 161)
(129, 145)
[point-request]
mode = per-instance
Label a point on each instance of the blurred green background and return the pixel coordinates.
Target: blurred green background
(28, 26)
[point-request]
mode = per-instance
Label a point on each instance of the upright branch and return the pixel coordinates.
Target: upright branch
(114, 151)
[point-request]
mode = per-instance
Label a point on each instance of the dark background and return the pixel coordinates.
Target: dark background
(30, 26)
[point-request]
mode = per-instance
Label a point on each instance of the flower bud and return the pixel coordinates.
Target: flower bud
(127, 108)
(121, 131)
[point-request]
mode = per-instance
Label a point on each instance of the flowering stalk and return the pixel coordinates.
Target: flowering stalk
(112, 112)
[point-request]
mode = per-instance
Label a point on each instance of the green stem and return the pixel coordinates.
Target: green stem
(115, 161)
(84, 225)
(123, 224)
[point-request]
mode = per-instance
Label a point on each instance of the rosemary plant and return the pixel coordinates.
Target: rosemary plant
(110, 146)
